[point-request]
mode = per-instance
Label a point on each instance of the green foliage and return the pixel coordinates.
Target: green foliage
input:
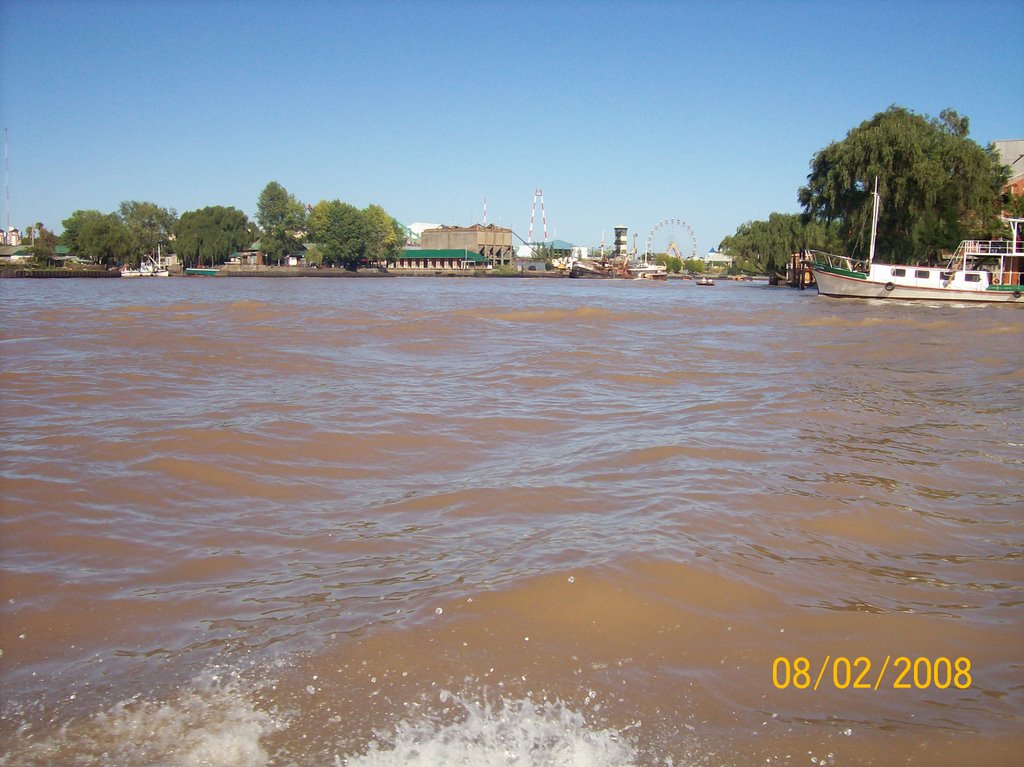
(42, 241)
(73, 226)
(543, 250)
(673, 264)
(314, 255)
(118, 238)
(1013, 205)
(936, 185)
(210, 235)
(150, 226)
(282, 218)
(104, 239)
(386, 238)
(341, 231)
(765, 246)
(694, 265)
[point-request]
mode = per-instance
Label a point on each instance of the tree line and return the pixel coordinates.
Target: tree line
(937, 187)
(331, 232)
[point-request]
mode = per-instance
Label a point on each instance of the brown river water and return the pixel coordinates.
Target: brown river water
(507, 522)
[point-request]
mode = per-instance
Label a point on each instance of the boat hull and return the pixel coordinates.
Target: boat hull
(850, 285)
(201, 271)
(586, 273)
(648, 272)
(657, 277)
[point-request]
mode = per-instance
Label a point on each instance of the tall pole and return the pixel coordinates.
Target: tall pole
(533, 213)
(7, 187)
(874, 224)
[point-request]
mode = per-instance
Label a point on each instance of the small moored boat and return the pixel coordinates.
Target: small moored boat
(150, 267)
(647, 271)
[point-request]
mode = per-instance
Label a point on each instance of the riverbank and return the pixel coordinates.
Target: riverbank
(237, 270)
(55, 273)
(234, 270)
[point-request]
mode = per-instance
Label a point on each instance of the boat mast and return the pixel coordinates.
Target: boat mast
(874, 224)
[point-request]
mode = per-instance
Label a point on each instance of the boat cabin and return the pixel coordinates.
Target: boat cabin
(1002, 259)
(925, 277)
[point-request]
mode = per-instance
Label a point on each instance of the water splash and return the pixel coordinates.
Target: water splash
(211, 722)
(520, 732)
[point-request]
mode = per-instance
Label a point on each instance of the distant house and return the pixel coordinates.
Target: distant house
(530, 264)
(62, 255)
(716, 260)
(546, 250)
(251, 256)
(14, 253)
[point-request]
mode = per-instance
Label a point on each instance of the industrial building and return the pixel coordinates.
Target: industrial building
(492, 242)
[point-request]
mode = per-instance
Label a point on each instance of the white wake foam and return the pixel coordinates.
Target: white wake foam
(517, 732)
(216, 722)
(211, 722)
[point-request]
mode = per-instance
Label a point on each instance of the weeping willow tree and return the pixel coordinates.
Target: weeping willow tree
(209, 235)
(937, 186)
(765, 246)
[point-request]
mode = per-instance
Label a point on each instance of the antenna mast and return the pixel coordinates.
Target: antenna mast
(7, 187)
(533, 212)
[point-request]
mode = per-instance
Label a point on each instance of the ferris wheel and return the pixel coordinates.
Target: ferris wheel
(672, 237)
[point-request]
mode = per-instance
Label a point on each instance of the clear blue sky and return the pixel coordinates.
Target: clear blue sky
(622, 112)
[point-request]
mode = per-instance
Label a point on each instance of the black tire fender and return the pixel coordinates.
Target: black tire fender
(889, 286)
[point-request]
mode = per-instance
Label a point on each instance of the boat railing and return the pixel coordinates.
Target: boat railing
(838, 262)
(989, 248)
(1003, 258)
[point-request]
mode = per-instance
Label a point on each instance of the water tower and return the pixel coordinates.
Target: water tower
(620, 241)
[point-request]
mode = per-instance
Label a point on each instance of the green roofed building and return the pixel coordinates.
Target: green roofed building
(443, 259)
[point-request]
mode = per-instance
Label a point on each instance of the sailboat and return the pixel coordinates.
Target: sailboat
(979, 270)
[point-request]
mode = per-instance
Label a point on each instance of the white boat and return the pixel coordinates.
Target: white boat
(645, 269)
(648, 272)
(150, 267)
(705, 281)
(979, 270)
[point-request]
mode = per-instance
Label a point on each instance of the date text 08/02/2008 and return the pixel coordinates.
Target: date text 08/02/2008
(857, 674)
